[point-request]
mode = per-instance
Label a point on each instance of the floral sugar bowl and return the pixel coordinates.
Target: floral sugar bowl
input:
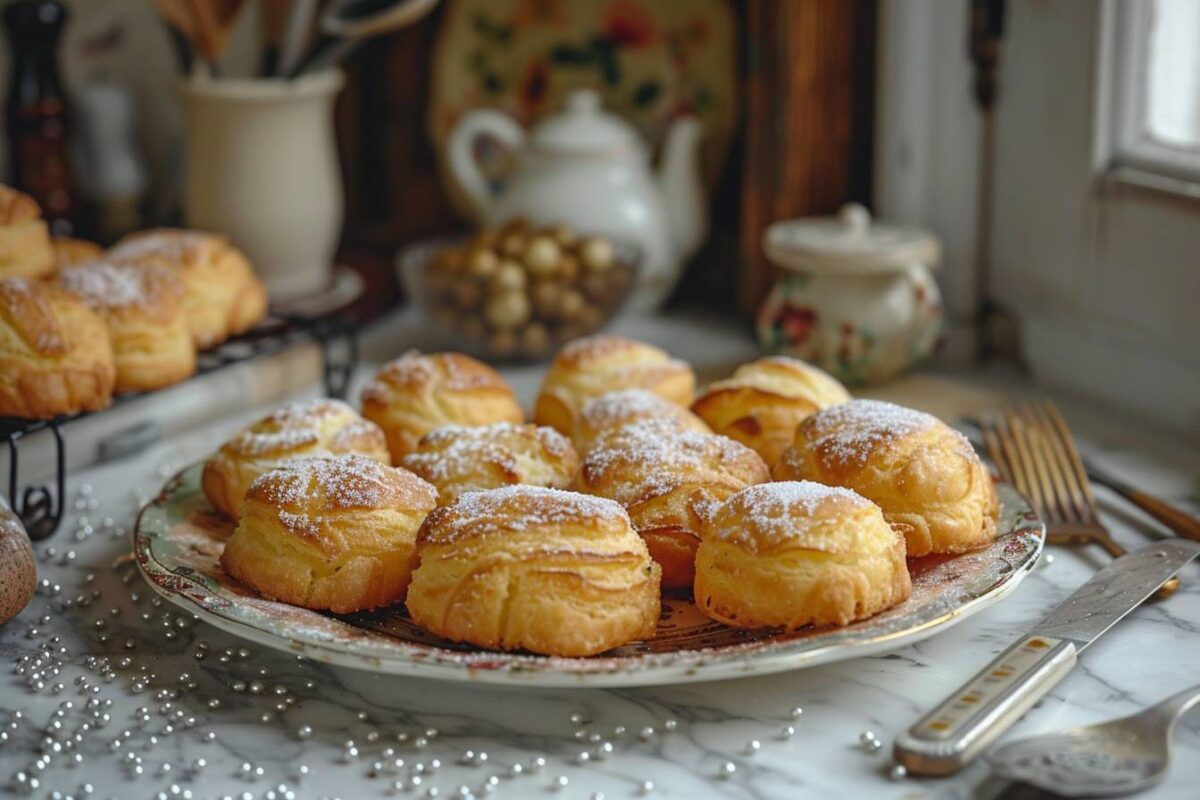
(854, 297)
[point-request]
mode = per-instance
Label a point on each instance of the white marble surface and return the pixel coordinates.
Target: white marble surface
(1149, 656)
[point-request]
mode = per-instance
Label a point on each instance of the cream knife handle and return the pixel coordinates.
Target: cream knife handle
(969, 720)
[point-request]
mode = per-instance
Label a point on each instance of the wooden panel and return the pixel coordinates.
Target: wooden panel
(809, 88)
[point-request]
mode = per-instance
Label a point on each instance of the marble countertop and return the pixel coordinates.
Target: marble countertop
(107, 692)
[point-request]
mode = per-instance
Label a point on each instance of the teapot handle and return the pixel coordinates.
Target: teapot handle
(463, 164)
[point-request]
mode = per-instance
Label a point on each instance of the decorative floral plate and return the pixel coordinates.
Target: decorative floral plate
(179, 538)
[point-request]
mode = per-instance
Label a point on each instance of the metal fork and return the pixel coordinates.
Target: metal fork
(1032, 448)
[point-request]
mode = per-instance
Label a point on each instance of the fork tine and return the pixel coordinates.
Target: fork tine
(1031, 464)
(1072, 452)
(991, 440)
(1058, 500)
(1076, 474)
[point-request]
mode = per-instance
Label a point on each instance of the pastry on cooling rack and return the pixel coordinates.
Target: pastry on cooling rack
(25, 249)
(668, 481)
(530, 568)
(69, 251)
(312, 428)
(224, 296)
(459, 458)
(142, 305)
(921, 472)
(589, 367)
(764, 401)
(330, 532)
(606, 415)
(55, 356)
(798, 553)
(416, 393)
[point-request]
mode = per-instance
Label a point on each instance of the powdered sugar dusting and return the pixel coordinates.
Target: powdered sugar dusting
(517, 508)
(455, 450)
(413, 368)
(849, 432)
(110, 285)
(297, 425)
(612, 408)
(777, 510)
(171, 244)
(663, 457)
(339, 483)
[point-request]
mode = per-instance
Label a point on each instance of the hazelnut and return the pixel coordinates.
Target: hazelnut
(568, 268)
(535, 339)
(542, 256)
(482, 263)
(597, 254)
(510, 275)
(466, 294)
(508, 309)
(547, 298)
(502, 343)
(571, 303)
(513, 244)
(563, 235)
(597, 286)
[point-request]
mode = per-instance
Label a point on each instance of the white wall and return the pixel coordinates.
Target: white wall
(1104, 278)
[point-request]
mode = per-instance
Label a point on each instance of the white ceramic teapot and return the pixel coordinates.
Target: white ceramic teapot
(589, 169)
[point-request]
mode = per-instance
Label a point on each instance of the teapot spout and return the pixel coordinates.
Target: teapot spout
(680, 187)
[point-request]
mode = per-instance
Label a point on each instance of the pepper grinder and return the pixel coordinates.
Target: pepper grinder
(37, 114)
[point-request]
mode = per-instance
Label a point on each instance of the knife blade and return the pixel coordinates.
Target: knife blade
(965, 723)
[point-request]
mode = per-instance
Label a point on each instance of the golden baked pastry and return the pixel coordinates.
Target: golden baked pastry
(589, 367)
(68, 251)
(331, 532)
(611, 412)
(416, 393)
(143, 309)
(921, 472)
(224, 296)
(761, 404)
(312, 428)
(458, 458)
(798, 553)
(55, 357)
(667, 481)
(25, 249)
(530, 568)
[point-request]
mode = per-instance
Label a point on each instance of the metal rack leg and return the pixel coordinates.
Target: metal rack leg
(39, 507)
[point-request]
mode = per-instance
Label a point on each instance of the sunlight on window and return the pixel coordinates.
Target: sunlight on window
(1173, 74)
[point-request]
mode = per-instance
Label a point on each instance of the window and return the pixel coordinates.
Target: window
(1153, 88)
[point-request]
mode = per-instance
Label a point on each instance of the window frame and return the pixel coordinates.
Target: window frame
(1125, 149)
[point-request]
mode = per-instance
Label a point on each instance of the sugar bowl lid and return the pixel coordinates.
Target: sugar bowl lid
(848, 243)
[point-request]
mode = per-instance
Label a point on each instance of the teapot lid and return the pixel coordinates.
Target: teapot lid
(849, 242)
(584, 127)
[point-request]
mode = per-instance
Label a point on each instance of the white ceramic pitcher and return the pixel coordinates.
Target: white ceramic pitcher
(262, 167)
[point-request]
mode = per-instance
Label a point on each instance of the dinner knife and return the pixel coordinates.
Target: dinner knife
(970, 719)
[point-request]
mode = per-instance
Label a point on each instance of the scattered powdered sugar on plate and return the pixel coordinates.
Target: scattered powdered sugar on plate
(849, 432)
